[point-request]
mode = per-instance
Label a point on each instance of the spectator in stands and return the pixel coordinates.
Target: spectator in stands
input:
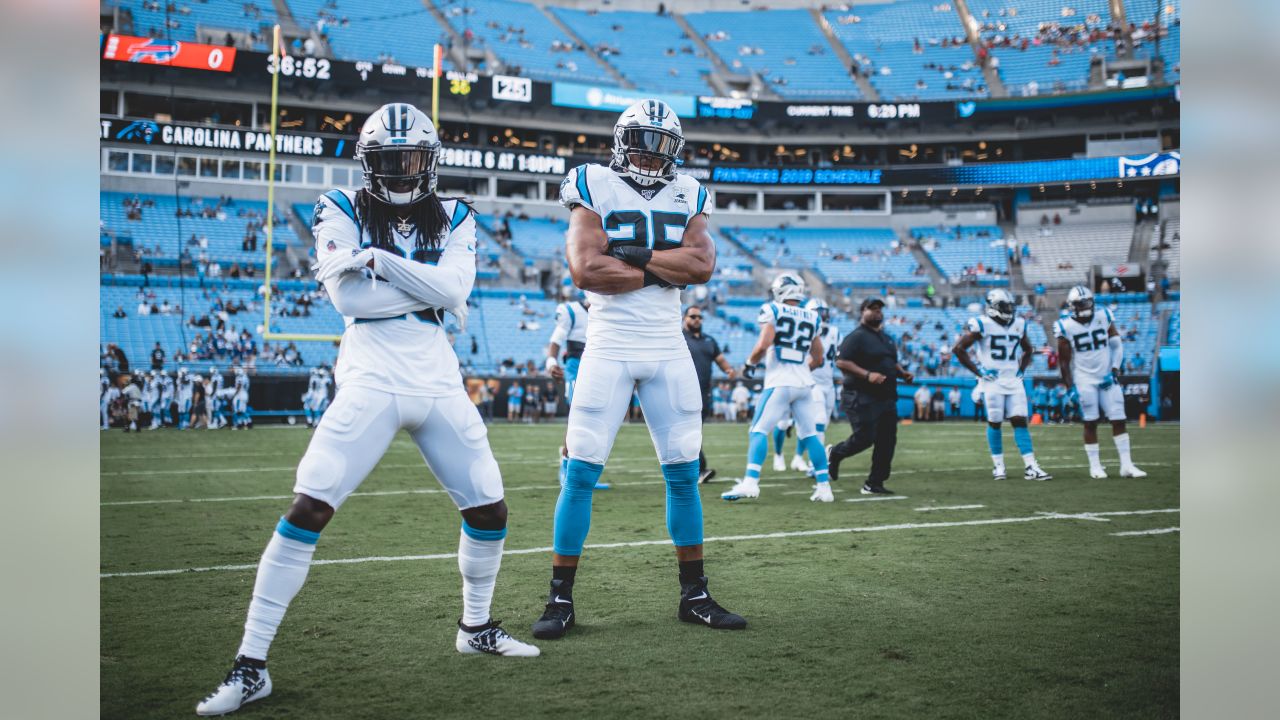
(157, 357)
(119, 313)
(144, 308)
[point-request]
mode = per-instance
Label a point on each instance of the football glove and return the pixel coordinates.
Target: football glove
(1073, 395)
(1107, 381)
(634, 256)
(1021, 372)
(989, 374)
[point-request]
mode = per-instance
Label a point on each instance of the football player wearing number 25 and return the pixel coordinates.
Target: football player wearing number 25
(637, 235)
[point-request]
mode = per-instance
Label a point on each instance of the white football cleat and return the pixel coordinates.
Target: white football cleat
(244, 684)
(998, 473)
(1132, 472)
(1035, 472)
(779, 465)
(1098, 473)
(490, 639)
(799, 465)
(742, 489)
(822, 493)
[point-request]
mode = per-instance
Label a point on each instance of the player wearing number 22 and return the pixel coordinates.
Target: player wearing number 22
(1004, 352)
(790, 345)
(637, 234)
(1090, 354)
(393, 258)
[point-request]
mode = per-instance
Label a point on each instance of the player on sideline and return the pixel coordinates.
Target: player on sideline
(185, 388)
(1090, 355)
(393, 257)
(637, 230)
(240, 401)
(214, 401)
(791, 348)
(571, 336)
(110, 393)
(1000, 337)
(824, 389)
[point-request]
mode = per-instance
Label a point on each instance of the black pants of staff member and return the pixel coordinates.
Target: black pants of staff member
(875, 423)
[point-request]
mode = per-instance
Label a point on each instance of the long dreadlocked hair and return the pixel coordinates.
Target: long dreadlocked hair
(427, 216)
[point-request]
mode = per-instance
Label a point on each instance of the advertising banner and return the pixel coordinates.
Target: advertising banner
(155, 51)
(597, 97)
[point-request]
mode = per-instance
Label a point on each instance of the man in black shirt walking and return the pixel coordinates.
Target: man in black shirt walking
(869, 360)
(704, 350)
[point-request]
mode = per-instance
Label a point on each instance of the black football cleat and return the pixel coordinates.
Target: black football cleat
(706, 476)
(559, 616)
(697, 607)
(875, 490)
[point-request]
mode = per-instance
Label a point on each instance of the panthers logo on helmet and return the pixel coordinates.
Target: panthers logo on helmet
(788, 286)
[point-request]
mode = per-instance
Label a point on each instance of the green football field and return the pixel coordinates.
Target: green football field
(960, 597)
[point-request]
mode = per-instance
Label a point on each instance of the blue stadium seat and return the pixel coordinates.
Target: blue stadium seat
(796, 63)
(653, 51)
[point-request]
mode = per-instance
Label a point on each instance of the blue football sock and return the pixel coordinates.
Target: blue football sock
(995, 440)
(817, 455)
(684, 506)
(779, 437)
(757, 448)
(573, 509)
(1022, 436)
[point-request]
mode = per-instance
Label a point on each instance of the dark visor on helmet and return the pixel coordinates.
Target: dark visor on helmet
(391, 161)
(650, 140)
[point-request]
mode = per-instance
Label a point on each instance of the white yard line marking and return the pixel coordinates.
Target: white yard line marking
(874, 499)
(663, 541)
(370, 493)
(1159, 531)
(949, 507)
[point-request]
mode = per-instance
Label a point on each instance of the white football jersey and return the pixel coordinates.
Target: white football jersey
(643, 324)
(824, 374)
(999, 347)
(185, 388)
(786, 364)
(571, 328)
(242, 385)
(409, 352)
(1090, 355)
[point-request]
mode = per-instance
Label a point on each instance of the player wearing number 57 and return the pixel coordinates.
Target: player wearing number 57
(868, 358)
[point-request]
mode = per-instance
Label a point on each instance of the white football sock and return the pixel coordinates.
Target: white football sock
(1092, 452)
(998, 461)
(1122, 447)
(478, 561)
(281, 573)
(1029, 460)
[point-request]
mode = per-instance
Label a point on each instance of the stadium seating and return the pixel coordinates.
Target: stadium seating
(895, 42)
(967, 253)
(842, 256)
(522, 36)
(163, 237)
(1064, 256)
(1174, 335)
(651, 49)
(404, 30)
(1041, 66)
(149, 19)
(796, 63)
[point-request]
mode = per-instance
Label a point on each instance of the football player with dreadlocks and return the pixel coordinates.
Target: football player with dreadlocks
(1001, 336)
(637, 234)
(1090, 355)
(790, 345)
(394, 257)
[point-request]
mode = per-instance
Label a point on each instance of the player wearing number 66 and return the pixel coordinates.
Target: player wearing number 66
(791, 348)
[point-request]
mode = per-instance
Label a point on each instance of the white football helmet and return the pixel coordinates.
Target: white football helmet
(649, 132)
(1080, 302)
(788, 286)
(399, 150)
(821, 307)
(1000, 306)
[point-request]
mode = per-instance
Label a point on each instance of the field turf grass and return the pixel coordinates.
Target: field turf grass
(1031, 616)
